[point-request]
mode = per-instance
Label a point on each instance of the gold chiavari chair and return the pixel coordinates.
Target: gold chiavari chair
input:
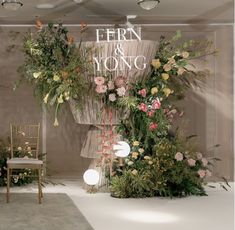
(24, 153)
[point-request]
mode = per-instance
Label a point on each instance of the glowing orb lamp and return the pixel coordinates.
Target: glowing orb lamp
(91, 177)
(121, 149)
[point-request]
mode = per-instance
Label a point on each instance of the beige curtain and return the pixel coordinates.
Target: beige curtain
(90, 113)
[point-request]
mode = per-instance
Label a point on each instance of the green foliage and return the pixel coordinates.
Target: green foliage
(55, 65)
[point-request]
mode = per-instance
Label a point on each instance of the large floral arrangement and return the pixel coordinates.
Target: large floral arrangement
(21, 176)
(110, 91)
(162, 162)
(55, 65)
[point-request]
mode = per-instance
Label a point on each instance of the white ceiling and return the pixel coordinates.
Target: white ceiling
(114, 11)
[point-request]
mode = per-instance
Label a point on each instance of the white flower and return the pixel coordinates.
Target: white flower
(134, 171)
(46, 98)
(36, 74)
(56, 123)
(121, 91)
(66, 95)
(130, 163)
(204, 162)
(56, 77)
(26, 143)
(60, 99)
(112, 97)
(199, 156)
(19, 149)
(141, 150)
(185, 54)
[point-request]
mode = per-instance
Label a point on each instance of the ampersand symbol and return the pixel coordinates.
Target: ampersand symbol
(119, 50)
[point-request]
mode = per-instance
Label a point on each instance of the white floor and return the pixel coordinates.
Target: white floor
(214, 212)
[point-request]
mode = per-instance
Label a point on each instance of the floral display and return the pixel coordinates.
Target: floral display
(110, 91)
(55, 65)
(20, 176)
(162, 161)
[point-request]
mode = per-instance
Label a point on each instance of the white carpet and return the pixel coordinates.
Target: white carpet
(214, 212)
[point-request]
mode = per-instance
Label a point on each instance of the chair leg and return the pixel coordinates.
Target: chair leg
(8, 184)
(39, 186)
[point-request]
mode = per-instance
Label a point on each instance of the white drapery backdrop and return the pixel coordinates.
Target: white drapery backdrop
(91, 107)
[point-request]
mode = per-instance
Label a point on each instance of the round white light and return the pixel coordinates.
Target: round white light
(148, 4)
(91, 177)
(45, 6)
(78, 1)
(122, 149)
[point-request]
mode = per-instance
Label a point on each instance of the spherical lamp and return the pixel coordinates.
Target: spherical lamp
(121, 149)
(91, 177)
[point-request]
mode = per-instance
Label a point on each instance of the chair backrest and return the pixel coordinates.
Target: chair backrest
(25, 140)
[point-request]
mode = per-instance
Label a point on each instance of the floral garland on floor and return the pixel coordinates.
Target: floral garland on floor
(55, 65)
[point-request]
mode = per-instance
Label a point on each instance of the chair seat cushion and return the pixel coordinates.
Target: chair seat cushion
(24, 161)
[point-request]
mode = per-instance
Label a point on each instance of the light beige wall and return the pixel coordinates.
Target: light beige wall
(209, 113)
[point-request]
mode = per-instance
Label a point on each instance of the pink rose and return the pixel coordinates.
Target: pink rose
(152, 126)
(151, 113)
(199, 156)
(201, 173)
(99, 80)
(101, 88)
(120, 81)
(110, 85)
(142, 92)
(179, 156)
(143, 107)
(121, 91)
(191, 162)
(204, 162)
(156, 104)
(208, 173)
(112, 97)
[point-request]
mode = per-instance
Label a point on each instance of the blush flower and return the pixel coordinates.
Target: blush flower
(143, 107)
(167, 67)
(156, 104)
(204, 162)
(99, 80)
(180, 71)
(101, 88)
(152, 126)
(179, 156)
(151, 113)
(191, 162)
(120, 81)
(201, 173)
(142, 92)
(121, 91)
